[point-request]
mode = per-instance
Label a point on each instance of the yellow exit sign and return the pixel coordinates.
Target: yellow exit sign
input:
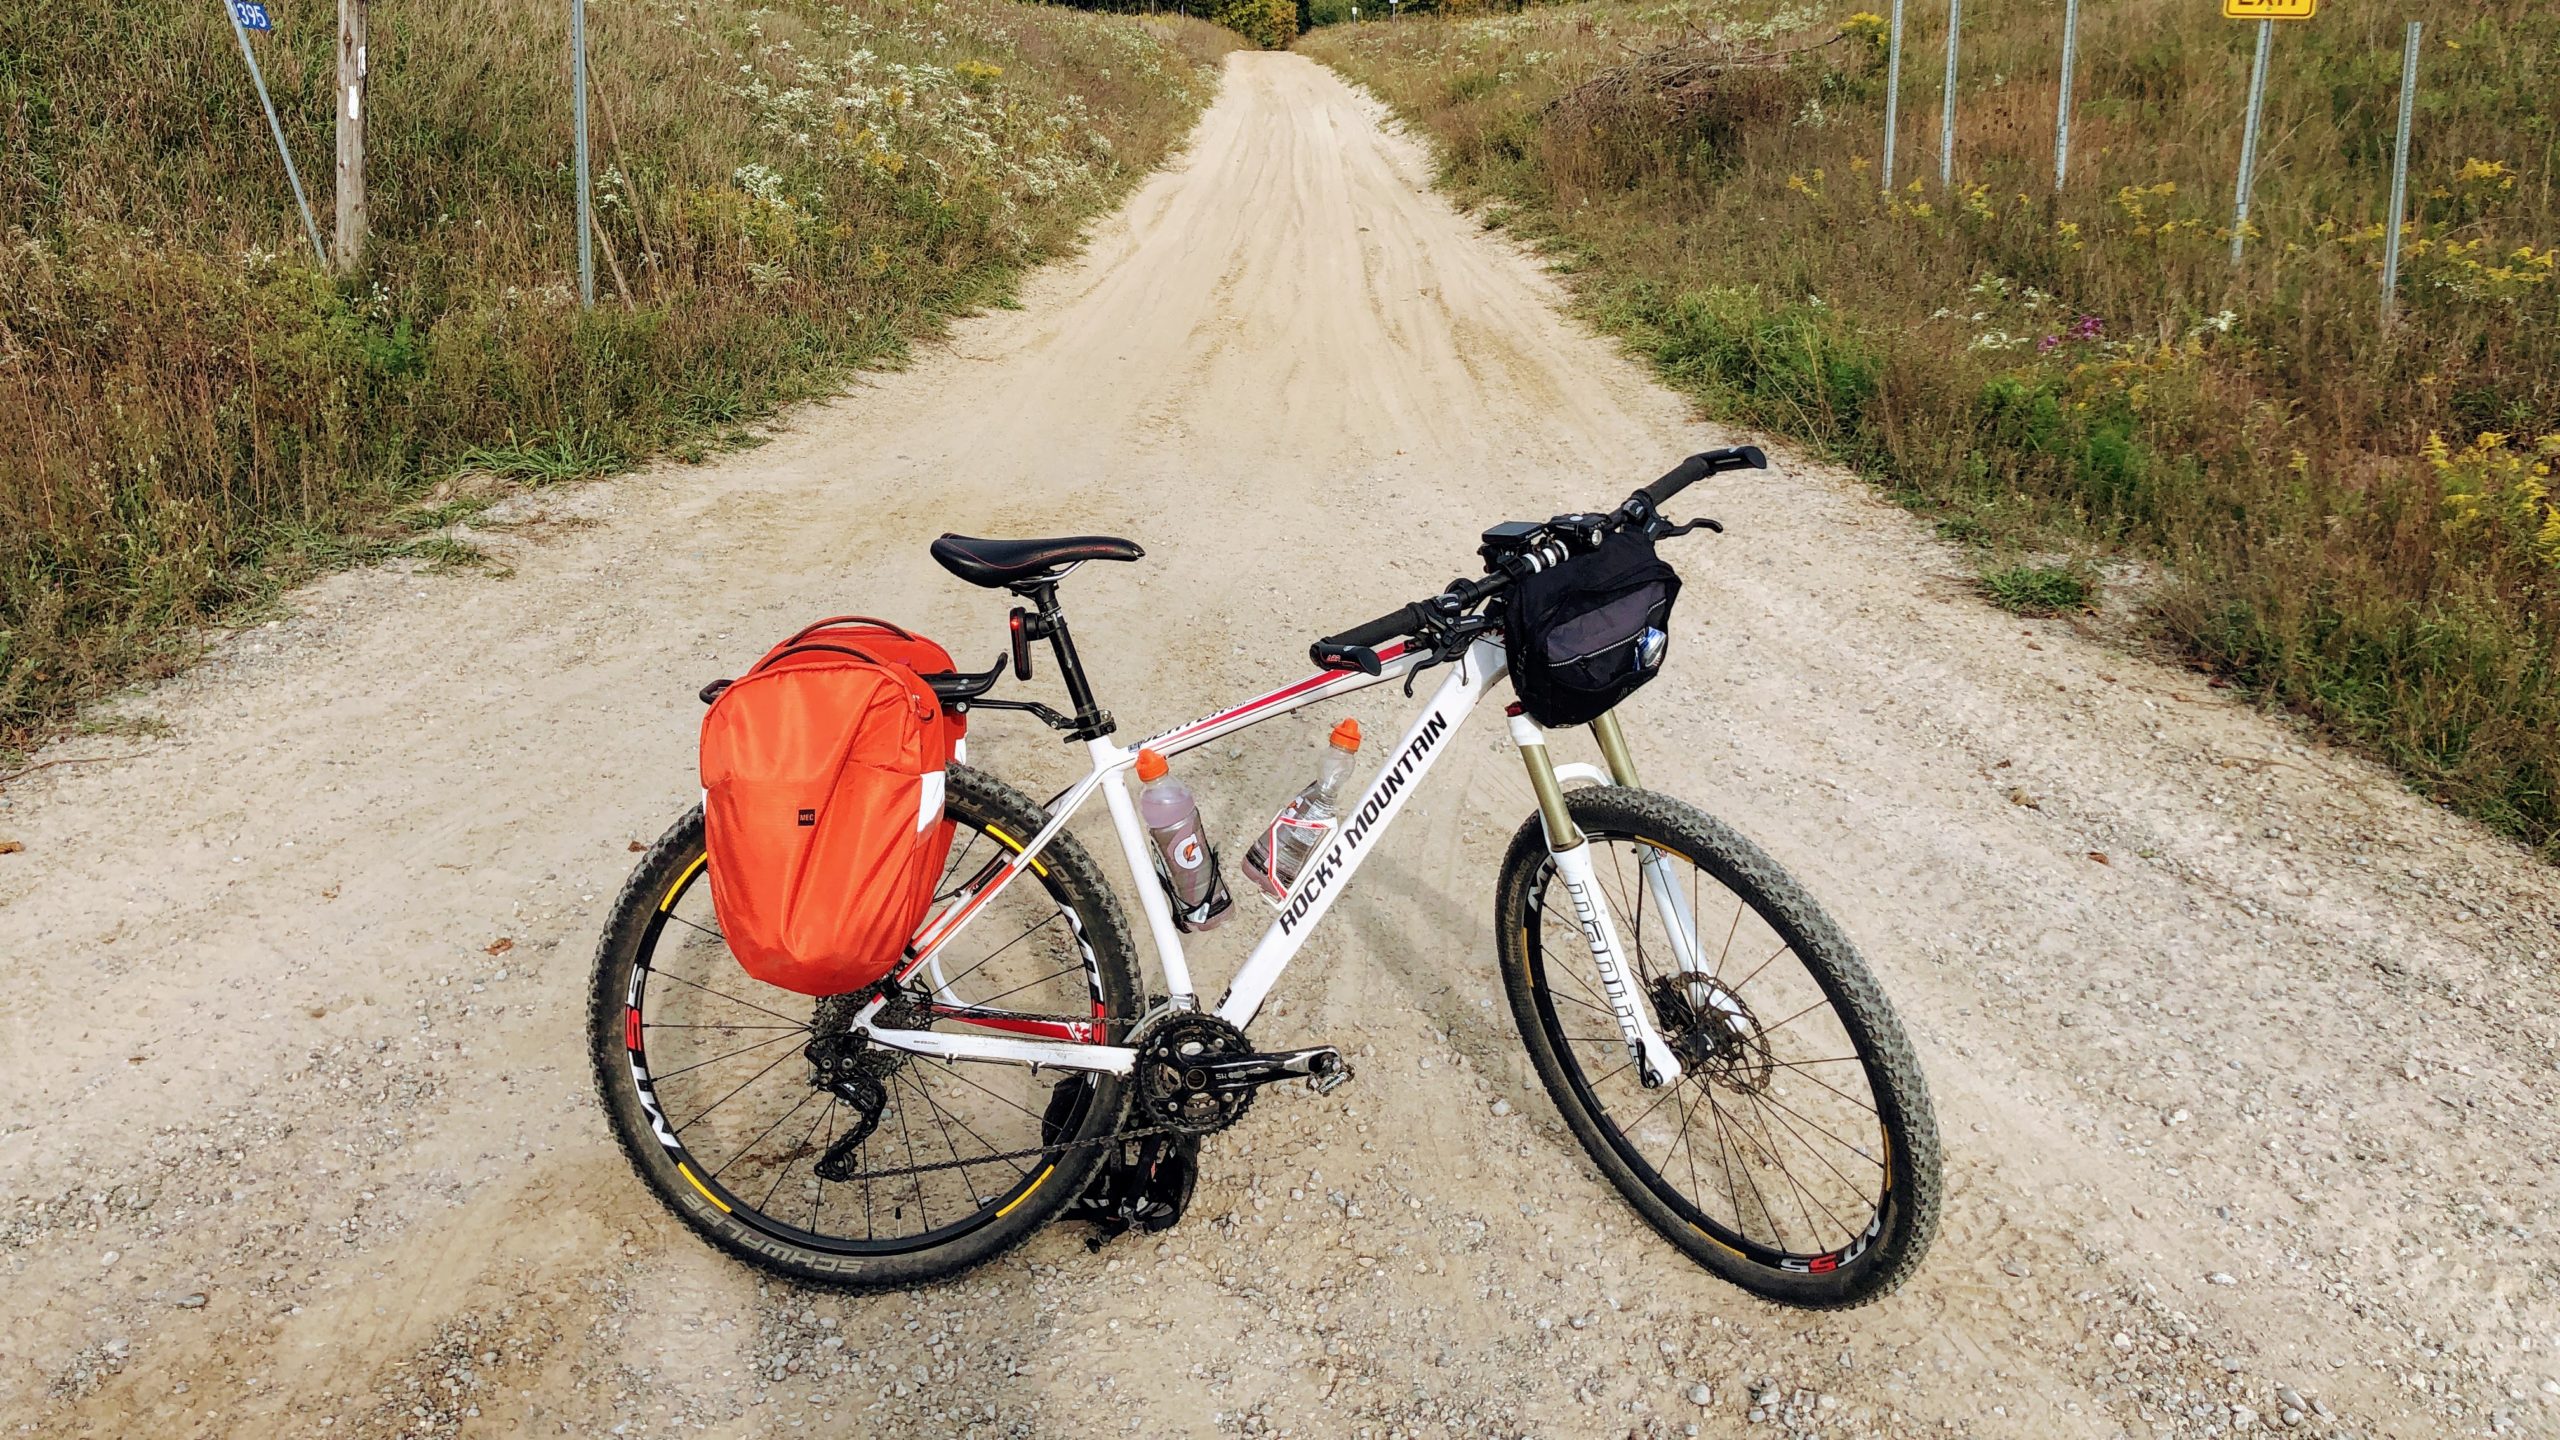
(2268, 9)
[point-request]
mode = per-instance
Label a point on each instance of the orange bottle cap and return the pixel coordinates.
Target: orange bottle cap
(1347, 735)
(1151, 767)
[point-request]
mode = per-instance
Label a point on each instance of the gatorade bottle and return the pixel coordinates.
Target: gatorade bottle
(1184, 860)
(1307, 819)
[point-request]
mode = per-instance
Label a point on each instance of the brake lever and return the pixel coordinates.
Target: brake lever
(1672, 532)
(1437, 656)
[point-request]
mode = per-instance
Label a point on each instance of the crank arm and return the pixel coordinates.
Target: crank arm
(1322, 1068)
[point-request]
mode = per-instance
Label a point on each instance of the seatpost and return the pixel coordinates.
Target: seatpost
(1092, 721)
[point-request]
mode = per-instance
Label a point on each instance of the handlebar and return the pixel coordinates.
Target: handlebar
(1698, 467)
(1356, 647)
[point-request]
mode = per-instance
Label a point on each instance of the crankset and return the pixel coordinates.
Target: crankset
(1195, 1075)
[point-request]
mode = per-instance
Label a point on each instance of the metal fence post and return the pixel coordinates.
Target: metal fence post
(586, 216)
(2249, 140)
(2400, 176)
(1947, 116)
(310, 227)
(1892, 91)
(2062, 109)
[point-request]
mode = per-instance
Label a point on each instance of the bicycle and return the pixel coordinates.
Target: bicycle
(1673, 1042)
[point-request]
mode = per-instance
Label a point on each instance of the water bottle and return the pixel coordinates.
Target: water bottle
(1185, 862)
(1306, 820)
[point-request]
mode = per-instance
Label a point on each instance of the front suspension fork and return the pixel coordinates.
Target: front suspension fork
(1571, 854)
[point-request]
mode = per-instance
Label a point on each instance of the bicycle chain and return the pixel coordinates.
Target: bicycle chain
(1145, 1133)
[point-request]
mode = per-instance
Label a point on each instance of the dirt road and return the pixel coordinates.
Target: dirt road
(2243, 1056)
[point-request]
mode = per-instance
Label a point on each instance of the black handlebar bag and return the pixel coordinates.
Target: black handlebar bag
(1585, 634)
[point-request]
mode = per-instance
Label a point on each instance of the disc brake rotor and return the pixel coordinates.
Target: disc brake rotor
(1713, 1031)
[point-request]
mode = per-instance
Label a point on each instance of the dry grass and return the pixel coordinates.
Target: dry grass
(2091, 371)
(190, 414)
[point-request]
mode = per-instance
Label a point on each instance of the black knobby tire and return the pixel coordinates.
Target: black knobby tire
(669, 883)
(1743, 1099)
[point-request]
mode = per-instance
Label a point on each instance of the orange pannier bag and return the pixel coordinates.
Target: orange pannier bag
(822, 775)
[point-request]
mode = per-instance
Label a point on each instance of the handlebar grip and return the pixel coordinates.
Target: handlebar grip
(1698, 467)
(1346, 657)
(1355, 648)
(1394, 625)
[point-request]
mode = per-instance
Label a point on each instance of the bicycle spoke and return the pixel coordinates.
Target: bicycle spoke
(1629, 1129)
(956, 1074)
(749, 1147)
(1074, 969)
(819, 1199)
(995, 1152)
(725, 1099)
(714, 934)
(1730, 930)
(1802, 1194)
(943, 1124)
(716, 1059)
(1036, 927)
(1843, 1094)
(656, 974)
(1825, 1134)
(784, 1173)
(1736, 986)
(1581, 946)
(1770, 1143)
(1689, 1147)
(1777, 1227)
(1818, 1002)
(924, 1211)
(1848, 1184)
(956, 867)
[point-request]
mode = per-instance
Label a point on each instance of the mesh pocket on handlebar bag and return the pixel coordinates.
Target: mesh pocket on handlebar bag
(1584, 634)
(822, 777)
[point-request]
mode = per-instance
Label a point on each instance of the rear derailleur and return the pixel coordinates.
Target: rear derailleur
(855, 1071)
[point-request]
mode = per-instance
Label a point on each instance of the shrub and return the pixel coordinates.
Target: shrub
(1271, 24)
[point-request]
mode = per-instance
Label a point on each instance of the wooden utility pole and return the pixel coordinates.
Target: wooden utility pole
(351, 68)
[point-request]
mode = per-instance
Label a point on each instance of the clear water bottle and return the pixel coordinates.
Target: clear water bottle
(1306, 820)
(1185, 861)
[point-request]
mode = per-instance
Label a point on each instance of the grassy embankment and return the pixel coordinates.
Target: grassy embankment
(2350, 523)
(192, 413)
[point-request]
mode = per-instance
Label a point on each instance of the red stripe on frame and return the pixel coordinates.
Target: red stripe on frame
(1074, 1031)
(1291, 692)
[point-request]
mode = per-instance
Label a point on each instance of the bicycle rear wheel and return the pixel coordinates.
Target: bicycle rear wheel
(712, 1080)
(1796, 1156)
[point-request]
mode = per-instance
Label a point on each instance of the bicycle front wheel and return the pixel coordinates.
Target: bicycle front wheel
(714, 1083)
(1796, 1156)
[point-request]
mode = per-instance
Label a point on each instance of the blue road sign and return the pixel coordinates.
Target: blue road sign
(252, 15)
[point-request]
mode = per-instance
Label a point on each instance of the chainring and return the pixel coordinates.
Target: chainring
(1171, 1089)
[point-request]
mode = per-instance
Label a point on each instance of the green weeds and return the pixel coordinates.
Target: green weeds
(2356, 525)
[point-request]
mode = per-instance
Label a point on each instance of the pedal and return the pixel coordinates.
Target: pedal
(1329, 1078)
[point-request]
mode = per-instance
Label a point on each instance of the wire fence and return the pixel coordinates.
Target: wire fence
(2265, 16)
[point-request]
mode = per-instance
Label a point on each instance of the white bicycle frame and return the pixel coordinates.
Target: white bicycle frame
(1319, 883)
